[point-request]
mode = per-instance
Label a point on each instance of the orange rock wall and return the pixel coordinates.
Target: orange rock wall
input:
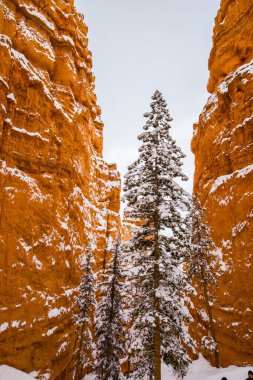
(56, 191)
(223, 148)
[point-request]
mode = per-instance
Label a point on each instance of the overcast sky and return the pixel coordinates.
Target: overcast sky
(139, 46)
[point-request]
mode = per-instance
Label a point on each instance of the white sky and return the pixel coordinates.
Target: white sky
(139, 46)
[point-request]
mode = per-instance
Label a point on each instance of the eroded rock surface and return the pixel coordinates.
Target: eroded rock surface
(223, 148)
(56, 192)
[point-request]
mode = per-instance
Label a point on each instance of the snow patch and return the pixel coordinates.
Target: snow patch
(31, 182)
(31, 134)
(244, 69)
(225, 201)
(32, 34)
(10, 373)
(50, 332)
(241, 173)
(34, 12)
(24, 245)
(12, 98)
(37, 262)
(15, 324)
(53, 313)
(219, 254)
(8, 121)
(4, 326)
(64, 224)
(62, 348)
(245, 121)
(239, 227)
(68, 39)
(4, 82)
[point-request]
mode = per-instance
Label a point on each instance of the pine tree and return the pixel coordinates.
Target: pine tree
(86, 302)
(202, 264)
(159, 246)
(110, 321)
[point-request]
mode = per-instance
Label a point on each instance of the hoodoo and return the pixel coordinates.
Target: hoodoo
(55, 188)
(223, 148)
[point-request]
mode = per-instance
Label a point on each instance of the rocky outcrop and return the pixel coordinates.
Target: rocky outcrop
(56, 192)
(223, 148)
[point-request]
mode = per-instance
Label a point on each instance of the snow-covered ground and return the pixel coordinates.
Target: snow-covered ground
(9, 373)
(202, 370)
(199, 370)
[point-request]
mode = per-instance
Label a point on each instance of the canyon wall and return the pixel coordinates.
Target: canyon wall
(223, 148)
(56, 192)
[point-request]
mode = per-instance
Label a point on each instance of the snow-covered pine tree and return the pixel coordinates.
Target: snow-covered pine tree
(158, 248)
(86, 301)
(110, 321)
(202, 265)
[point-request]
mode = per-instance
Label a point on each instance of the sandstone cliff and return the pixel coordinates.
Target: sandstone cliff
(55, 188)
(223, 148)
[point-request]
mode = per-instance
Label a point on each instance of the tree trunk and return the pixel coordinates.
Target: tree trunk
(157, 347)
(128, 366)
(157, 337)
(78, 359)
(211, 322)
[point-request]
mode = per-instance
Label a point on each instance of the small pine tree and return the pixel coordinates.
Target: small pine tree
(202, 264)
(86, 302)
(158, 248)
(110, 320)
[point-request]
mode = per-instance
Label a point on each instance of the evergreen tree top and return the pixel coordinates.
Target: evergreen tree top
(158, 108)
(153, 175)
